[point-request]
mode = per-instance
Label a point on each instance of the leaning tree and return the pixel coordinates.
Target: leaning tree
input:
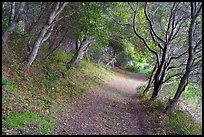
(194, 53)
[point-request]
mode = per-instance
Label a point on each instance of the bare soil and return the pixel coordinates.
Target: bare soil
(113, 108)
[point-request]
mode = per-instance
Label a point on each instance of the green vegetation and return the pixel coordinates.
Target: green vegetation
(22, 120)
(43, 89)
(179, 122)
(54, 53)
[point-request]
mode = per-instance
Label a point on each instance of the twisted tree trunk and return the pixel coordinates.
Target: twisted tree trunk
(184, 80)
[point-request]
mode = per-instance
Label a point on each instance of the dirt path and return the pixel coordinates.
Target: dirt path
(114, 108)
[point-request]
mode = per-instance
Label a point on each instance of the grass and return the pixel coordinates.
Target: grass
(20, 120)
(180, 122)
(43, 91)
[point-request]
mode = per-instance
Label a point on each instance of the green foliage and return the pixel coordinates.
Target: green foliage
(182, 123)
(155, 106)
(170, 90)
(5, 23)
(93, 22)
(59, 56)
(5, 15)
(20, 120)
(191, 95)
(4, 81)
(56, 63)
(137, 60)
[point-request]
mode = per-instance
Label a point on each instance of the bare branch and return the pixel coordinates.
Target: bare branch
(61, 18)
(169, 83)
(151, 25)
(197, 73)
(177, 30)
(199, 42)
(48, 34)
(156, 9)
(198, 11)
(176, 57)
(131, 6)
(197, 62)
(196, 66)
(63, 4)
(177, 74)
(169, 22)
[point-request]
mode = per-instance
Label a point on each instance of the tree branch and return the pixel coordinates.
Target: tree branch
(198, 11)
(177, 74)
(12, 12)
(169, 22)
(131, 7)
(138, 35)
(176, 57)
(151, 25)
(122, 24)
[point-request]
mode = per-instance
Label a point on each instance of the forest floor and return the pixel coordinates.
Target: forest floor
(112, 108)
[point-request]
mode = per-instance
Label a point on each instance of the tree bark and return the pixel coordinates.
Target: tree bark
(13, 24)
(37, 44)
(14, 21)
(151, 79)
(159, 75)
(12, 12)
(42, 37)
(184, 80)
(81, 50)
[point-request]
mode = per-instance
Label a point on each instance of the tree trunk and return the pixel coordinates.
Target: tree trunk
(157, 82)
(12, 12)
(184, 80)
(37, 45)
(42, 37)
(78, 56)
(159, 75)
(12, 25)
(80, 51)
(9, 30)
(151, 79)
(4, 40)
(111, 62)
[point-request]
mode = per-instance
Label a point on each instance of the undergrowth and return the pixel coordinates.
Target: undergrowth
(33, 96)
(179, 122)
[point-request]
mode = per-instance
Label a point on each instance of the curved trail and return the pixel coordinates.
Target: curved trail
(113, 108)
